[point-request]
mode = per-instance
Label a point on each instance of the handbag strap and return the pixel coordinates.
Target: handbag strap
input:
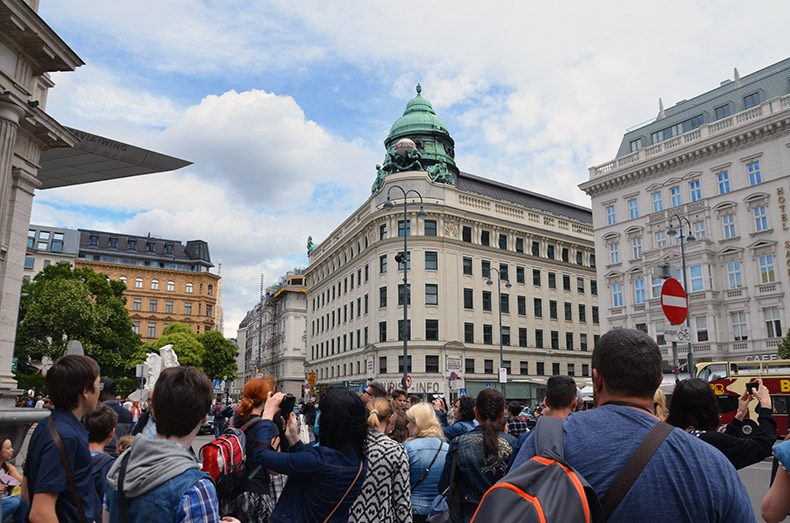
(75, 492)
(639, 459)
(425, 474)
(346, 494)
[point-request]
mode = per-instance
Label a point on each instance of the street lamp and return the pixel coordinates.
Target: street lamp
(402, 257)
(499, 297)
(683, 239)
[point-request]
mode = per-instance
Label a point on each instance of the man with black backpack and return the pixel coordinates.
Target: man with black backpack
(682, 479)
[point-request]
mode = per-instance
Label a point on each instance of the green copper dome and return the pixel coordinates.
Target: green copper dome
(419, 117)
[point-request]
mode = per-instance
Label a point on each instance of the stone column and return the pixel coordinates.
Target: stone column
(16, 200)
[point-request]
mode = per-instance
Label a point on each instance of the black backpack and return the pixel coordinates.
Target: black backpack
(547, 489)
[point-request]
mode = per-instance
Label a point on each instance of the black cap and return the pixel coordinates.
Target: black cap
(108, 385)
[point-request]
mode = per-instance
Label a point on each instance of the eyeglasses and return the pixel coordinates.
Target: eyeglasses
(367, 392)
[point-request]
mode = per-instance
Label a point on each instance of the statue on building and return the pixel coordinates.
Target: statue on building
(311, 246)
(439, 173)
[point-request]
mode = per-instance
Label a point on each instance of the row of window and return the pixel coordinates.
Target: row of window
(189, 287)
(696, 279)
(153, 306)
(432, 367)
(51, 241)
(332, 318)
(738, 323)
(349, 341)
(521, 306)
(131, 244)
(152, 328)
(752, 174)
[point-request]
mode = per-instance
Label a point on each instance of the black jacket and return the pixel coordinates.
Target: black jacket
(743, 451)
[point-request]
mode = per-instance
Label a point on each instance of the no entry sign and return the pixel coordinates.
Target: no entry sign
(674, 301)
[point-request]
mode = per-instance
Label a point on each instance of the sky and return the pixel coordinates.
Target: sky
(283, 106)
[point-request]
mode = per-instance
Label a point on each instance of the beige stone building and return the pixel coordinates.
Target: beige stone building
(719, 162)
(473, 228)
(166, 281)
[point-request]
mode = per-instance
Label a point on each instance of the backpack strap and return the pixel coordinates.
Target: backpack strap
(121, 495)
(639, 459)
(548, 436)
(75, 491)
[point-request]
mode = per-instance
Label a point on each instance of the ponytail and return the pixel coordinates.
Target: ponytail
(490, 409)
(378, 410)
(254, 394)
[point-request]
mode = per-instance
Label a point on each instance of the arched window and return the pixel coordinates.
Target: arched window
(155, 285)
(138, 283)
(189, 287)
(123, 279)
(171, 285)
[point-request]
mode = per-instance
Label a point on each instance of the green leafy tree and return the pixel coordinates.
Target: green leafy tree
(219, 360)
(784, 347)
(185, 344)
(62, 304)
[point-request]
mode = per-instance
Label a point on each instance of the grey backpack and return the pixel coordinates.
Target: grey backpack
(547, 489)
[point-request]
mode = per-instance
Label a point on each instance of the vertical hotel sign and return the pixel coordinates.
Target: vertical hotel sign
(780, 193)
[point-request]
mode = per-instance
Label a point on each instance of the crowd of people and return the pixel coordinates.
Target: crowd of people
(383, 457)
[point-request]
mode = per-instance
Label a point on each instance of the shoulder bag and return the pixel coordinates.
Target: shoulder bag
(75, 492)
(425, 474)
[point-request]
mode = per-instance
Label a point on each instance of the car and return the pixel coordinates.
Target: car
(207, 427)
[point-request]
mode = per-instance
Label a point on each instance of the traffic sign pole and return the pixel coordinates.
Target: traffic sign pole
(674, 302)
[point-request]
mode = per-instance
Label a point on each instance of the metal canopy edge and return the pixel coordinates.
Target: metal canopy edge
(97, 158)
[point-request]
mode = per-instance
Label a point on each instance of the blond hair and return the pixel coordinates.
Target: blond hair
(379, 410)
(424, 417)
(660, 405)
(123, 444)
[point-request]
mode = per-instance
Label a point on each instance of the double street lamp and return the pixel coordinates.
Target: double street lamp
(672, 232)
(403, 258)
(499, 297)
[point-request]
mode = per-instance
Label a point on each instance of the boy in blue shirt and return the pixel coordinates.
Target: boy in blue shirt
(73, 383)
(100, 425)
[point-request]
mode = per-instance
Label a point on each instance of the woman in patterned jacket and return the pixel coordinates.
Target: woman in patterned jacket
(385, 496)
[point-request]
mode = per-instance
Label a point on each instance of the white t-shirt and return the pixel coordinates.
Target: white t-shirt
(40, 404)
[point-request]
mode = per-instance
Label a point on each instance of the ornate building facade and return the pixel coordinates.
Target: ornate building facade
(166, 281)
(472, 228)
(720, 163)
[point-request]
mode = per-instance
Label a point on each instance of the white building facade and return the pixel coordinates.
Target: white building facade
(720, 162)
(473, 228)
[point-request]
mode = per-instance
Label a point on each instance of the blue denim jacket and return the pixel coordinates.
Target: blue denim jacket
(475, 475)
(317, 479)
(421, 451)
(457, 428)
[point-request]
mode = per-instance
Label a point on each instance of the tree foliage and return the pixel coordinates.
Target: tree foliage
(62, 304)
(219, 360)
(209, 351)
(784, 347)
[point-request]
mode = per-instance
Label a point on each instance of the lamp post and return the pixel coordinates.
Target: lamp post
(683, 239)
(402, 257)
(499, 297)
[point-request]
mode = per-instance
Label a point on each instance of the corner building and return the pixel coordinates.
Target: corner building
(542, 246)
(720, 160)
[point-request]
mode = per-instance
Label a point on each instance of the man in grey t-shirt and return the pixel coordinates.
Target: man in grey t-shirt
(686, 479)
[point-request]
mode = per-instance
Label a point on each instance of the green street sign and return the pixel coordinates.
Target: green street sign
(14, 362)
(345, 384)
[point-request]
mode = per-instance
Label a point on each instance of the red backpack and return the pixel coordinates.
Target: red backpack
(226, 454)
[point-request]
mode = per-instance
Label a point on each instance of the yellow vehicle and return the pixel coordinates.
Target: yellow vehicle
(728, 380)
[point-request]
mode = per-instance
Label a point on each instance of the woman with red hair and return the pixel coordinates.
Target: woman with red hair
(254, 503)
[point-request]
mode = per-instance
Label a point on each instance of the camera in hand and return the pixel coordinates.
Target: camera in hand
(287, 406)
(752, 387)
(281, 420)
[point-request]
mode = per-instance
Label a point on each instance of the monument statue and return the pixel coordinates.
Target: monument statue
(311, 246)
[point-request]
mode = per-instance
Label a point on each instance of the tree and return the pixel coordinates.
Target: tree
(185, 344)
(62, 304)
(784, 347)
(219, 359)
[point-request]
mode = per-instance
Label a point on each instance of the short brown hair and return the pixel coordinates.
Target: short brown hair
(376, 390)
(99, 423)
(183, 397)
(69, 377)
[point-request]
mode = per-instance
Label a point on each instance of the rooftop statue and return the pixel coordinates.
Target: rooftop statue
(310, 245)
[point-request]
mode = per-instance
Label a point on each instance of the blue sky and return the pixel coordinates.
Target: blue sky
(283, 106)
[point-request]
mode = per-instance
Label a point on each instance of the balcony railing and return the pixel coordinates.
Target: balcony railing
(768, 107)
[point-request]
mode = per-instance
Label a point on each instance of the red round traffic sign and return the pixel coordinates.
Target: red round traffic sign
(408, 382)
(674, 301)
